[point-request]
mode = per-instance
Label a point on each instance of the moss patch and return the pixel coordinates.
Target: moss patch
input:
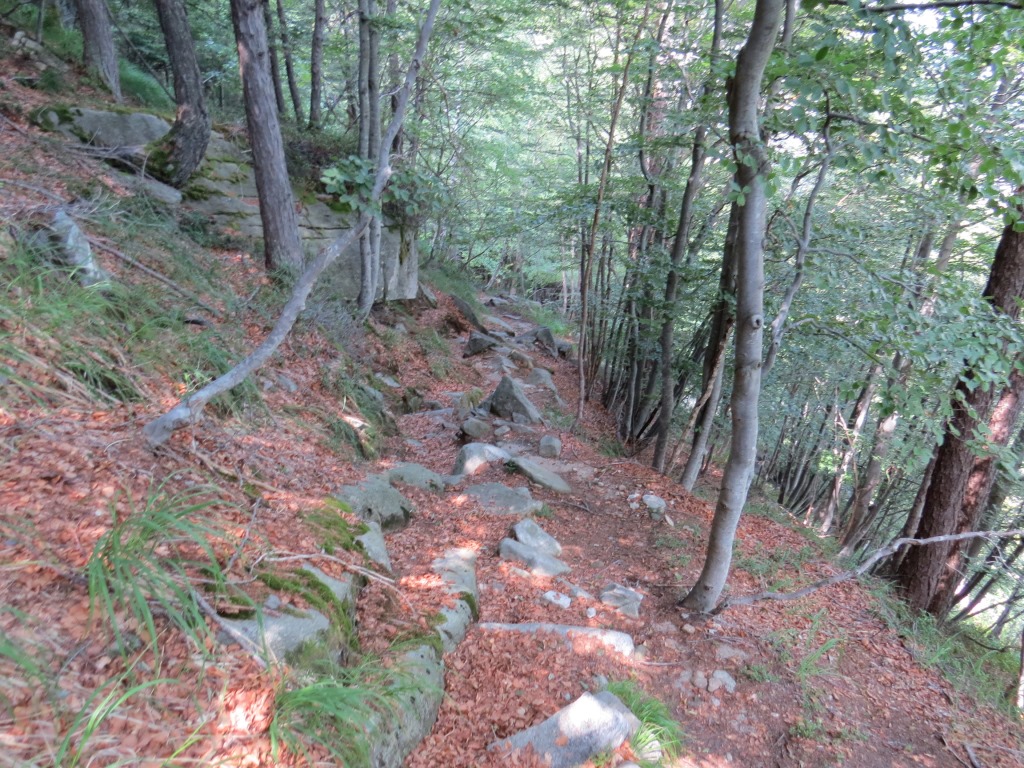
(335, 532)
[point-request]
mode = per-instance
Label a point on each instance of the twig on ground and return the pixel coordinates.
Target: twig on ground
(997, 748)
(245, 538)
(243, 640)
(213, 466)
(861, 569)
(155, 275)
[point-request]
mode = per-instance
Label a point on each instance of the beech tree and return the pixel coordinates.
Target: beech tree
(751, 203)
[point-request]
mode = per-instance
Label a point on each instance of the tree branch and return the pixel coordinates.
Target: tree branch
(861, 569)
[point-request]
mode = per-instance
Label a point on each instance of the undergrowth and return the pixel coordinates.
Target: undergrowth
(659, 739)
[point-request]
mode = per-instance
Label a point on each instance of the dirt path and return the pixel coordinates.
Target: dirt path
(822, 681)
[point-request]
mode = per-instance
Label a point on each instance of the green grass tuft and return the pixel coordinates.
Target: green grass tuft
(660, 736)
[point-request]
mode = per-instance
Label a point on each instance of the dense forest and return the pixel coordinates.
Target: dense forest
(788, 238)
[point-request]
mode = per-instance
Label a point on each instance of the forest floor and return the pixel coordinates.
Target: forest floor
(827, 680)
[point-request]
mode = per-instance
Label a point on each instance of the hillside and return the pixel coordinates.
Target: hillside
(127, 573)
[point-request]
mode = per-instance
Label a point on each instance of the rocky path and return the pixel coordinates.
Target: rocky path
(578, 559)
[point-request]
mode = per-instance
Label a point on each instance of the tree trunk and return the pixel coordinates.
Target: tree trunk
(184, 148)
(751, 170)
(282, 247)
(962, 478)
(275, 68)
(289, 64)
(99, 53)
(721, 325)
(316, 66)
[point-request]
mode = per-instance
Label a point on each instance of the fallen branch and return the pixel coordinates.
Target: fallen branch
(154, 274)
(861, 569)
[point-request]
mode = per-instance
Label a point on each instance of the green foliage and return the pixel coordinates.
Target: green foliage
(148, 561)
(759, 673)
(659, 735)
(142, 88)
(335, 532)
(333, 713)
(97, 709)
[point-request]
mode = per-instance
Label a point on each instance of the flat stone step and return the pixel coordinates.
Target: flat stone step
(612, 639)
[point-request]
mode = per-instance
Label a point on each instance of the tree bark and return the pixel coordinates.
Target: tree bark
(962, 478)
(275, 68)
(751, 170)
(190, 409)
(282, 247)
(316, 66)
(289, 63)
(184, 148)
(99, 53)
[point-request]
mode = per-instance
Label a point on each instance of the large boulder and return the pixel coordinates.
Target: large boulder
(537, 562)
(510, 402)
(101, 128)
(532, 535)
(473, 457)
(478, 342)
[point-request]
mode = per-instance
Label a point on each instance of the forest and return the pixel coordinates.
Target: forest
(785, 239)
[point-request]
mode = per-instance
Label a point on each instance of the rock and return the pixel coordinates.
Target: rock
(664, 627)
(539, 563)
(415, 475)
(474, 456)
(655, 507)
(106, 129)
(500, 324)
(532, 535)
(475, 428)
(71, 249)
(557, 598)
(396, 730)
(591, 612)
(374, 546)
(345, 589)
(283, 633)
(612, 639)
(502, 431)
(550, 447)
(721, 679)
(546, 340)
(689, 629)
(590, 725)
(509, 402)
(457, 568)
(272, 603)
(387, 381)
(162, 193)
(469, 313)
(374, 499)
(623, 599)
(699, 680)
(725, 652)
(521, 359)
(427, 294)
(541, 377)
(577, 592)
(564, 348)
(478, 342)
(499, 499)
(541, 476)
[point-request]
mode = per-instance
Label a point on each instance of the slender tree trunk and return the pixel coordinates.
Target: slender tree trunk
(751, 170)
(962, 479)
(99, 53)
(721, 325)
(282, 247)
(275, 68)
(289, 63)
(316, 66)
(185, 146)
